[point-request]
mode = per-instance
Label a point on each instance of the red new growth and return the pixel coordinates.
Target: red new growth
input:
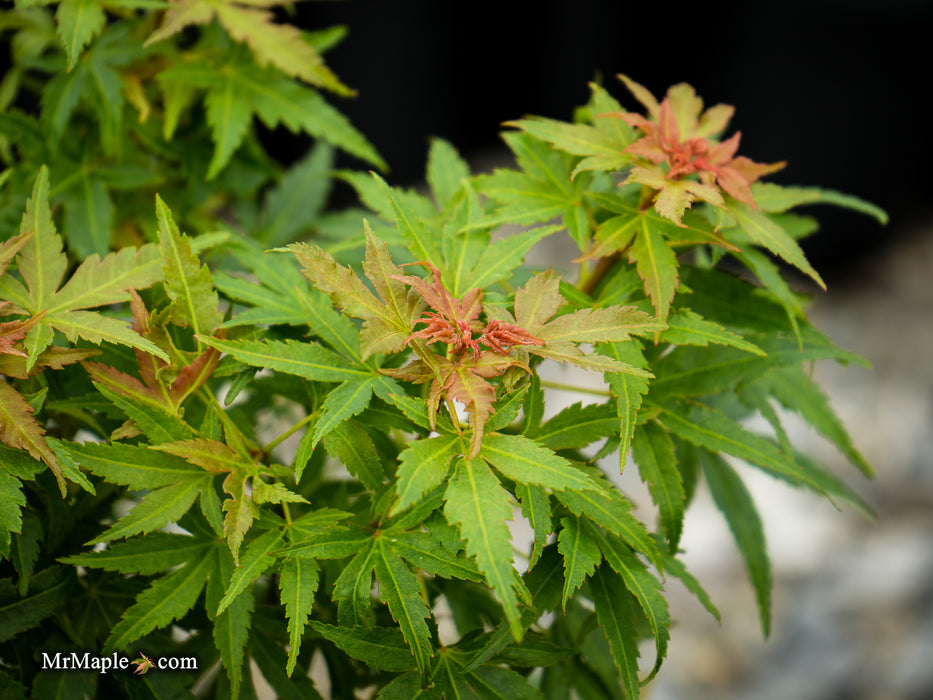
(499, 337)
(679, 134)
(455, 374)
(713, 162)
(454, 321)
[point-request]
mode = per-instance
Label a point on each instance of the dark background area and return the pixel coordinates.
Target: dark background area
(830, 86)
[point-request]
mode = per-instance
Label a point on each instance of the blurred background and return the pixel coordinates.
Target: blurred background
(835, 88)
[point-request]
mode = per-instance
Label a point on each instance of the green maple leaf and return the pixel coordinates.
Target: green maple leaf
(601, 144)
(174, 484)
(297, 585)
(767, 232)
(388, 317)
(629, 392)
(647, 590)
(270, 658)
(651, 242)
(609, 509)
(229, 115)
(298, 198)
(698, 370)
(168, 599)
(796, 391)
(536, 507)
(479, 506)
(423, 465)
(257, 558)
(431, 555)
(135, 466)
(24, 547)
(15, 467)
(713, 430)
(527, 462)
(281, 45)
(210, 455)
(386, 201)
(411, 226)
(400, 589)
(353, 446)
(194, 561)
(41, 264)
(542, 191)
(735, 502)
(684, 327)
(232, 625)
(158, 508)
(380, 647)
(615, 612)
(358, 380)
(280, 295)
(19, 429)
(239, 511)
(148, 554)
(353, 587)
(97, 83)
(446, 171)
(775, 198)
(237, 90)
(78, 22)
(581, 555)
(189, 284)
(654, 453)
(327, 540)
(538, 301)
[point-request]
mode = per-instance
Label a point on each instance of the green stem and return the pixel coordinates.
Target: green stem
(589, 283)
(560, 386)
(235, 437)
(452, 410)
(291, 431)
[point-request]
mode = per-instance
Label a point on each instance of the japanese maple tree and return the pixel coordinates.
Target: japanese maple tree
(241, 427)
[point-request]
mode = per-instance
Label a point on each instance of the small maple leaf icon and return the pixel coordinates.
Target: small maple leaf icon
(143, 664)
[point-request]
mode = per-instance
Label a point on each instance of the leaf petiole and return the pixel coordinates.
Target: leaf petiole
(291, 431)
(560, 386)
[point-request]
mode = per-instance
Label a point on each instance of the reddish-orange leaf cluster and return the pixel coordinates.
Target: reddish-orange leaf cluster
(11, 333)
(499, 336)
(161, 384)
(678, 136)
(461, 374)
(454, 321)
(712, 162)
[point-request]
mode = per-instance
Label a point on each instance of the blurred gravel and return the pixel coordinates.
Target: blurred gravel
(853, 598)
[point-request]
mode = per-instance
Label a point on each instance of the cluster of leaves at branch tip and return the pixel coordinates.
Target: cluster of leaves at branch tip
(461, 372)
(678, 142)
(144, 375)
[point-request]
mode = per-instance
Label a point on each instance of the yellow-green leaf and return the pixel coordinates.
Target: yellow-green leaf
(79, 21)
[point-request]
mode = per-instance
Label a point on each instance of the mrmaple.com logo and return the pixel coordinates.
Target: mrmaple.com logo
(75, 661)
